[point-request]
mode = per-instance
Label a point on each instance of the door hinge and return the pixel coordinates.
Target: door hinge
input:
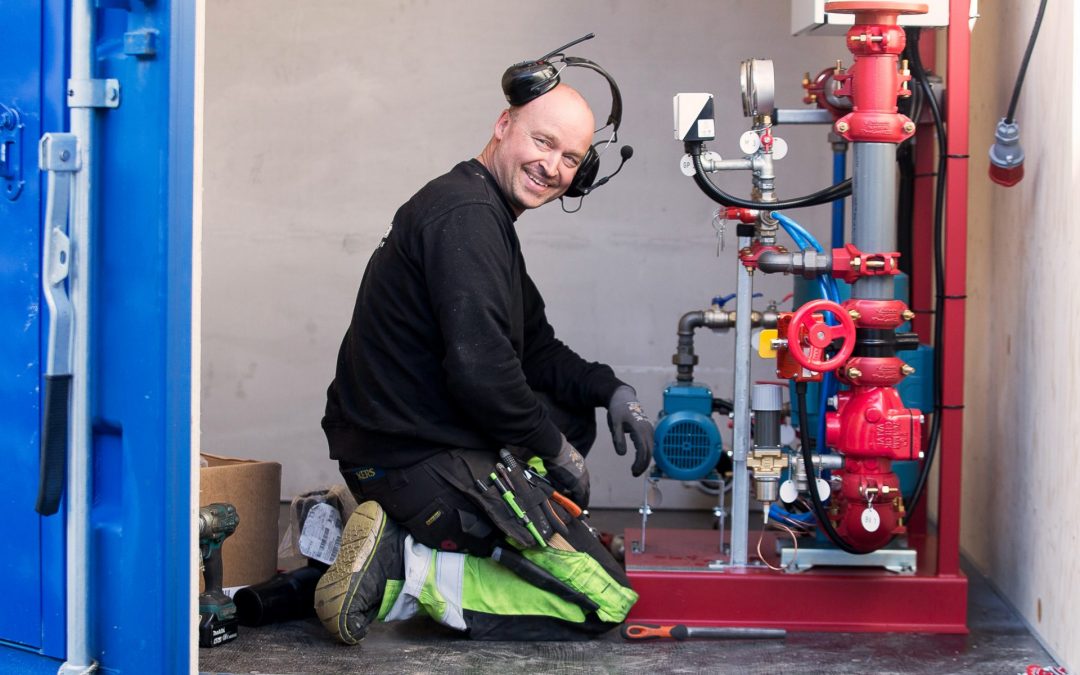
(93, 93)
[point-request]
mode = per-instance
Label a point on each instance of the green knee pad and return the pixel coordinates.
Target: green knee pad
(583, 573)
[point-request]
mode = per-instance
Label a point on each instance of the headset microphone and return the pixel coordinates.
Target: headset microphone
(625, 153)
(554, 52)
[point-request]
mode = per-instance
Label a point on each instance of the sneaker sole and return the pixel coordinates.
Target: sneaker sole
(335, 590)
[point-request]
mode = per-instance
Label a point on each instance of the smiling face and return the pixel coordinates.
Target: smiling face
(535, 150)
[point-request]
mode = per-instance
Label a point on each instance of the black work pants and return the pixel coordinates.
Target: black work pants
(428, 501)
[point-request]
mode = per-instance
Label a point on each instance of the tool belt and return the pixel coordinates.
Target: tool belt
(518, 504)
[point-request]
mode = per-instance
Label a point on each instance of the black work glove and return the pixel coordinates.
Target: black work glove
(568, 472)
(625, 415)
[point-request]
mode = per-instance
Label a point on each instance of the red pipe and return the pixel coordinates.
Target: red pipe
(956, 194)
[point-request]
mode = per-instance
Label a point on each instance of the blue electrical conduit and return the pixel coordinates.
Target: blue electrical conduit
(839, 172)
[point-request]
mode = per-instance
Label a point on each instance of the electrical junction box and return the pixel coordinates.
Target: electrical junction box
(694, 117)
(808, 17)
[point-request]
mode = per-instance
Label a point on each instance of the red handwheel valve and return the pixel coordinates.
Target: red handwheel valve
(808, 336)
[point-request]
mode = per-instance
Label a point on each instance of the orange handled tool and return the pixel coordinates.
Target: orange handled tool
(650, 631)
(562, 500)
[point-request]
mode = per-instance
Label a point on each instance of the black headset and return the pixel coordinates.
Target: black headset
(528, 80)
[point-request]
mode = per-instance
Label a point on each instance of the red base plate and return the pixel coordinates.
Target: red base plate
(676, 586)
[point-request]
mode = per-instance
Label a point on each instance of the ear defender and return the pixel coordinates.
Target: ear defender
(525, 81)
(586, 174)
(529, 80)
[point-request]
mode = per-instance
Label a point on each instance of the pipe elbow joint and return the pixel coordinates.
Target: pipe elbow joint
(690, 322)
(808, 263)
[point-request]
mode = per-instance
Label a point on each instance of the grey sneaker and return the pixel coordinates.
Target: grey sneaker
(350, 593)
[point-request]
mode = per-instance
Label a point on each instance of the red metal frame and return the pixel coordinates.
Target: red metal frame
(672, 575)
(850, 600)
(952, 400)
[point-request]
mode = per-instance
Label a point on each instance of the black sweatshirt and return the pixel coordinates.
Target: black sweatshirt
(449, 339)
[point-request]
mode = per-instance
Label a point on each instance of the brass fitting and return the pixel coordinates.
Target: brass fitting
(907, 315)
(766, 464)
(767, 461)
(854, 373)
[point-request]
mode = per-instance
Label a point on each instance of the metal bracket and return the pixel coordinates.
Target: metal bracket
(901, 561)
(141, 43)
(11, 152)
(93, 93)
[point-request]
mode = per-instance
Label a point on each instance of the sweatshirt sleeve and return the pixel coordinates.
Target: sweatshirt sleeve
(469, 263)
(552, 367)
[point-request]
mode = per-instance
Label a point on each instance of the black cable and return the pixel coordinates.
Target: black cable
(808, 465)
(905, 204)
(823, 196)
(905, 160)
(939, 265)
(1024, 64)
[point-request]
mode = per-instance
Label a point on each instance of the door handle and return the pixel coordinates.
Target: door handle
(58, 157)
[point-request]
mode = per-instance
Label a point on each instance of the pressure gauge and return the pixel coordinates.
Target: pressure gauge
(757, 83)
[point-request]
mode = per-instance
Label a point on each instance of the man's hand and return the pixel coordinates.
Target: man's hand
(568, 472)
(625, 415)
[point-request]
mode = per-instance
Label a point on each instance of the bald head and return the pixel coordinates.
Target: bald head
(535, 149)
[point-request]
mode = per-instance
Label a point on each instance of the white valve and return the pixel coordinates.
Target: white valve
(749, 142)
(788, 492)
(823, 489)
(870, 520)
(686, 164)
(779, 148)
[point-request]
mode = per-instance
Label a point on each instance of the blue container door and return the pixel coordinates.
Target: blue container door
(32, 568)
(140, 341)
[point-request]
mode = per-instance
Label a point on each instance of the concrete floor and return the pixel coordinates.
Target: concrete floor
(998, 643)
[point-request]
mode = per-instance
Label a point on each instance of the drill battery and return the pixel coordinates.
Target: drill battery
(218, 623)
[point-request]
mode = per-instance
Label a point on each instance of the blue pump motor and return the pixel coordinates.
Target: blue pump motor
(688, 444)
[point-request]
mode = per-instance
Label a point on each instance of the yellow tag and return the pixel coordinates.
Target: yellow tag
(765, 341)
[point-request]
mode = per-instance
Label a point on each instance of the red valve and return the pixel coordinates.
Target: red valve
(745, 216)
(809, 332)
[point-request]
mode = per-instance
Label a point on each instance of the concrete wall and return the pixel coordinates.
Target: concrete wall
(1023, 366)
(323, 117)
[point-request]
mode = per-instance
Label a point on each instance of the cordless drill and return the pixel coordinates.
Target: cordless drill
(217, 612)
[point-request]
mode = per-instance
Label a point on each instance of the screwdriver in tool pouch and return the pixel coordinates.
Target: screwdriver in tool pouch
(562, 500)
(508, 497)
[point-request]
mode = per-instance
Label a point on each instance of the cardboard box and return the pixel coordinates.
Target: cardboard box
(249, 555)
